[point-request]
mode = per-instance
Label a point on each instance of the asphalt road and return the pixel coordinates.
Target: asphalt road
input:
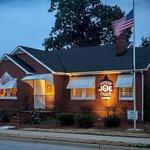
(27, 145)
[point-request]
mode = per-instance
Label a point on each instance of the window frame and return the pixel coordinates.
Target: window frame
(8, 97)
(125, 97)
(83, 97)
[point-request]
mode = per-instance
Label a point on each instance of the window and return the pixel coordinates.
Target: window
(8, 87)
(88, 93)
(126, 93)
(8, 93)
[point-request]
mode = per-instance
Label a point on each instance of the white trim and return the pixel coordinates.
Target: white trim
(83, 97)
(97, 72)
(125, 98)
(148, 66)
(81, 82)
(8, 98)
(5, 55)
(45, 66)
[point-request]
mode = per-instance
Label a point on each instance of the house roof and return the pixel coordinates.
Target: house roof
(98, 58)
(22, 63)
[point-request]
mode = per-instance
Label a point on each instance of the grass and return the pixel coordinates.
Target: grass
(143, 146)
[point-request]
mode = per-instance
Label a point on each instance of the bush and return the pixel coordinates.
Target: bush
(112, 121)
(49, 120)
(34, 117)
(66, 119)
(5, 116)
(85, 120)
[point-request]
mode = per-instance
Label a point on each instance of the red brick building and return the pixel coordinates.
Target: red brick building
(96, 79)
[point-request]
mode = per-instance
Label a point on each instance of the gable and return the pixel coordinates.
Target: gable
(21, 50)
(18, 64)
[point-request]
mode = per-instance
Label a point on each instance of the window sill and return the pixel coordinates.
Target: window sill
(126, 98)
(9, 98)
(82, 98)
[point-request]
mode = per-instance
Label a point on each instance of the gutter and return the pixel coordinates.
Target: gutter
(142, 109)
(98, 72)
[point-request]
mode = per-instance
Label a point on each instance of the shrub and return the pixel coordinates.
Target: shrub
(34, 117)
(5, 116)
(85, 120)
(49, 120)
(112, 121)
(66, 119)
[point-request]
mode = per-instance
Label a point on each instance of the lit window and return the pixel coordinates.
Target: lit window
(8, 93)
(88, 93)
(126, 93)
(8, 87)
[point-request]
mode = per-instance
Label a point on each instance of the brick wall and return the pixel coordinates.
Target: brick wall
(22, 88)
(99, 107)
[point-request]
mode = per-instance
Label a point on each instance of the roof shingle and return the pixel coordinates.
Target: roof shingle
(98, 58)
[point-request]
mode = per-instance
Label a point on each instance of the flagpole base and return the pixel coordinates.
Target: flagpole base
(135, 130)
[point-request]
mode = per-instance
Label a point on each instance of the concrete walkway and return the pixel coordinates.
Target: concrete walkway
(92, 131)
(77, 138)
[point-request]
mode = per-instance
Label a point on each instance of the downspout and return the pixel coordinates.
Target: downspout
(142, 110)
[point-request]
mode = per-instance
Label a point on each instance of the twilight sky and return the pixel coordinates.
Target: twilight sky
(27, 22)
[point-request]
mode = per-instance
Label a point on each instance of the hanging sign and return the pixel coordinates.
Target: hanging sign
(106, 88)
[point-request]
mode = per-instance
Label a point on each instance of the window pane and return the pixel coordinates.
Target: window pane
(49, 88)
(2, 92)
(90, 92)
(77, 92)
(13, 92)
(39, 87)
(126, 92)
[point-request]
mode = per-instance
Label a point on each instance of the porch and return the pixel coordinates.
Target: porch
(42, 86)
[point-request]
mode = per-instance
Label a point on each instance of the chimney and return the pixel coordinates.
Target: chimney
(121, 45)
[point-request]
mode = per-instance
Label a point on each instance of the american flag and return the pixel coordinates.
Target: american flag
(124, 23)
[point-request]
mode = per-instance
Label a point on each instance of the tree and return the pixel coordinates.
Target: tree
(82, 23)
(145, 42)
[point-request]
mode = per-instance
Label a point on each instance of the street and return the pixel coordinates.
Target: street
(26, 145)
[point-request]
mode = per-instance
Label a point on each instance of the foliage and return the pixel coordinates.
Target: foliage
(5, 116)
(49, 120)
(82, 23)
(85, 120)
(112, 121)
(66, 119)
(145, 42)
(34, 117)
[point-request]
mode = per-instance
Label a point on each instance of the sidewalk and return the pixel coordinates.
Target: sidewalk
(76, 138)
(93, 131)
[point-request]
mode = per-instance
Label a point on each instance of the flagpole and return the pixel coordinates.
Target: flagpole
(134, 66)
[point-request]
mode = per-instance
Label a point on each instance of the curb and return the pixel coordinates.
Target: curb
(77, 132)
(45, 139)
